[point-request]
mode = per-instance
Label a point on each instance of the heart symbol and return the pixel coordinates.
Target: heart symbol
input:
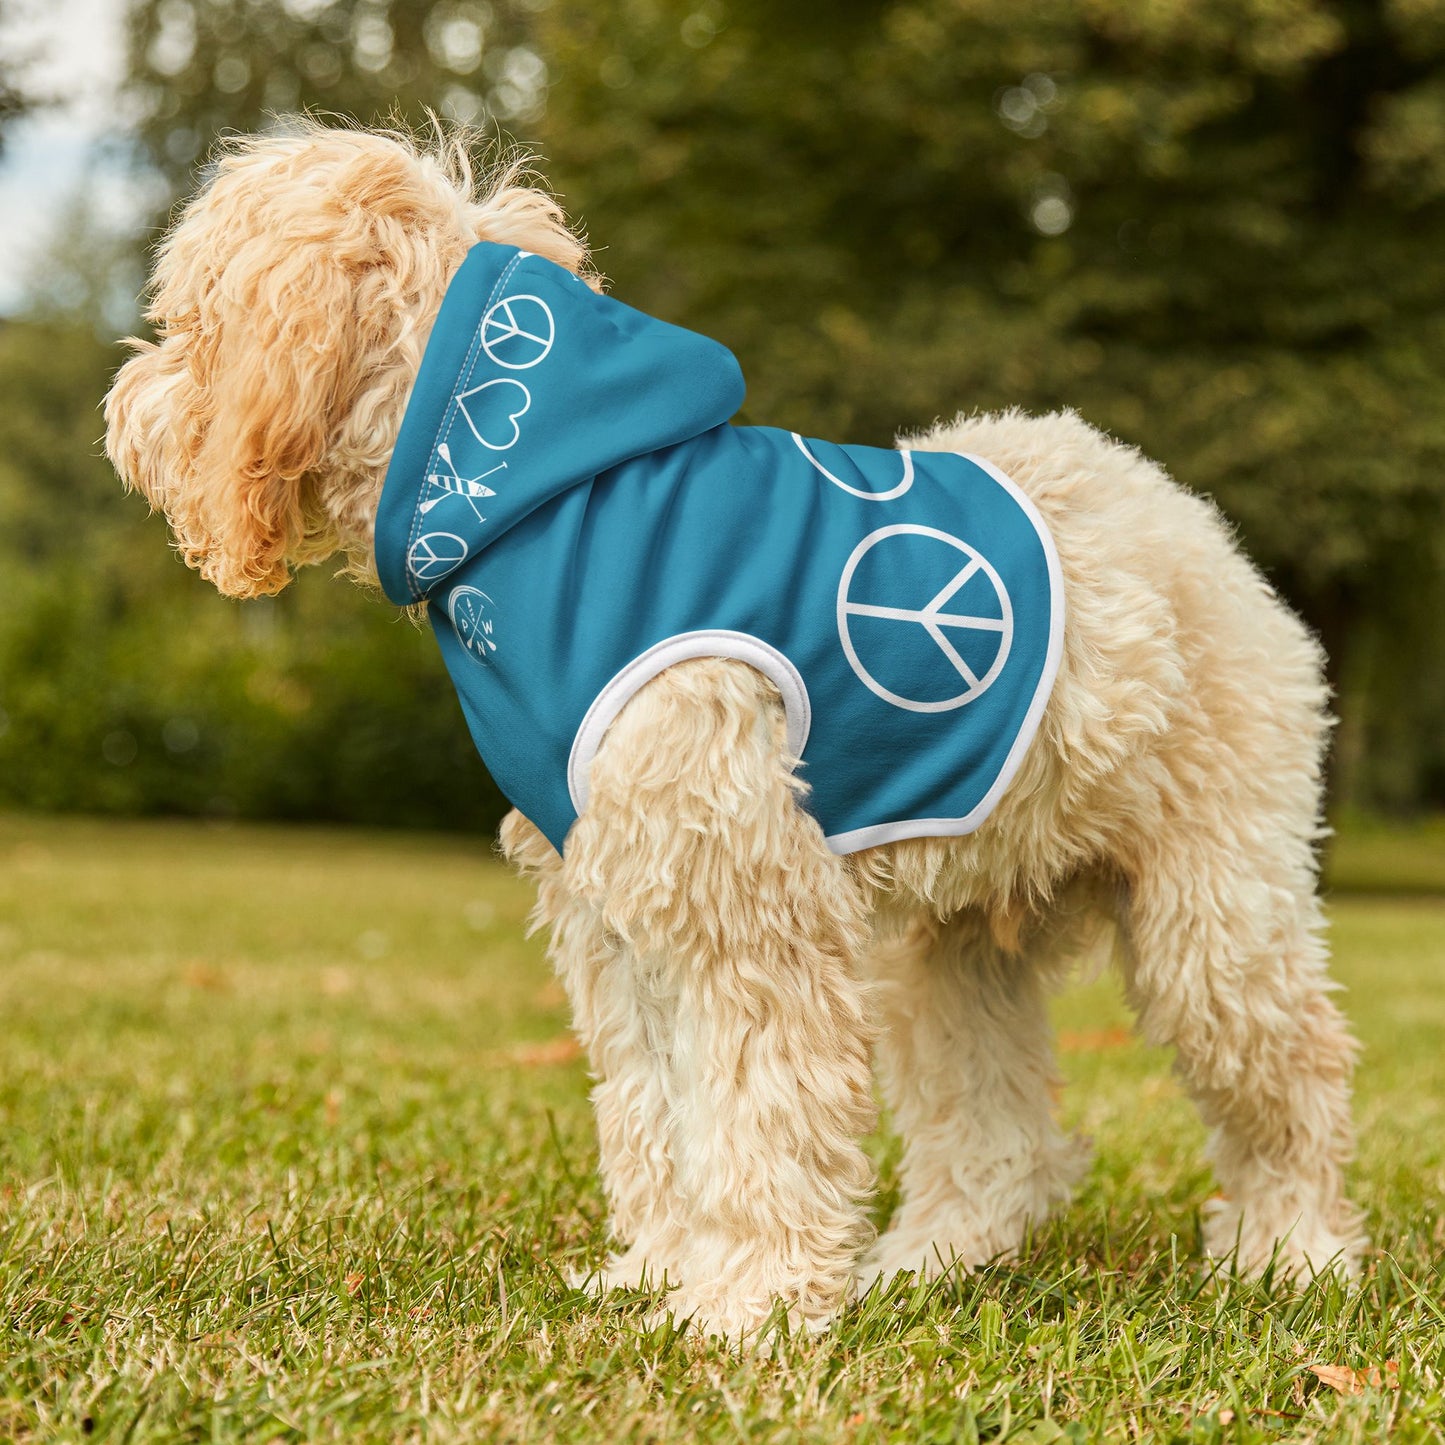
(523, 406)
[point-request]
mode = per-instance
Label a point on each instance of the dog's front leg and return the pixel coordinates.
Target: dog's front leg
(623, 1020)
(734, 932)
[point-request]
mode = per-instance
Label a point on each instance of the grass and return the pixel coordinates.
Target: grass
(1396, 858)
(292, 1147)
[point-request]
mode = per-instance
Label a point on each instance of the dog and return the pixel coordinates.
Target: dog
(733, 971)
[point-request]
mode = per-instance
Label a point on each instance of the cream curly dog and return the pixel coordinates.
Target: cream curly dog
(730, 975)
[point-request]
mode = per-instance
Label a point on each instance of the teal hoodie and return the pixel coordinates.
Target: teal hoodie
(570, 500)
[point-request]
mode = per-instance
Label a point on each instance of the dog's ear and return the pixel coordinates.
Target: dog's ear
(223, 422)
(288, 287)
(274, 356)
(145, 410)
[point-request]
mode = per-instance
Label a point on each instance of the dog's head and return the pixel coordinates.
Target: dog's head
(292, 300)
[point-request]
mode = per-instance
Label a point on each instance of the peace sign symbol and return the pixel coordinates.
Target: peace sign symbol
(922, 634)
(470, 611)
(518, 332)
(435, 554)
(903, 485)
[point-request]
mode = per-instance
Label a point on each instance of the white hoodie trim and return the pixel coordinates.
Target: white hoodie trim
(685, 647)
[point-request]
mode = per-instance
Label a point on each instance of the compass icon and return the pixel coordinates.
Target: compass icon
(470, 610)
(957, 633)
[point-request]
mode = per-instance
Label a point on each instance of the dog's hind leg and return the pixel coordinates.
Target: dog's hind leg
(966, 1060)
(743, 928)
(1225, 960)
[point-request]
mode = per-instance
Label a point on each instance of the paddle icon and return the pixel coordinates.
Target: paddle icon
(456, 484)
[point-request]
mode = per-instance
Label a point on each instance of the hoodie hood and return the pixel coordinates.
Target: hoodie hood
(482, 446)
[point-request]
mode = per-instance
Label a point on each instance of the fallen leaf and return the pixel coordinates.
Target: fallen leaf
(1347, 1381)
(554, 1051)
(551, 995)
(354, 1283)
(31, 856)
(1094, 1042)
(203, 975)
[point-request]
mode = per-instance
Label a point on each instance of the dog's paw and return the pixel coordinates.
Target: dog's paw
(1298, 1245)
(633, 1270)
(906, 1253)
(757, 1325)
(967, 1227)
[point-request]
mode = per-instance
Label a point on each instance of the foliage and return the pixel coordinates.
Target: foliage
(1216, 229)
(202, 67)
(1373, 856)
(127, 686)
(15, 96)
(281, 1158)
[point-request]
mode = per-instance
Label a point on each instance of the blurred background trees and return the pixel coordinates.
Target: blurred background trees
(1214, 227)
(15, 98)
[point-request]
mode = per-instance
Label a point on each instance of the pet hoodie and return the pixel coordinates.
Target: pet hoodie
(570, 500)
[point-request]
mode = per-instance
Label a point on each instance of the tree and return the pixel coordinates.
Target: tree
(199, 68)
(1217, 230)
(127, 685)
(15, 97)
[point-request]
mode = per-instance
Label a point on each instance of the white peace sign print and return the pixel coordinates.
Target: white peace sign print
(932, 618)
(434, 554)
(888, 496)
(518, 332)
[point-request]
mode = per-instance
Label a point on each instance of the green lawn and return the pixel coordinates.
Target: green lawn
(1371, 856)
(292, 1147)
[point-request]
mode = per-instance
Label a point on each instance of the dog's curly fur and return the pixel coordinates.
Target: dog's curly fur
(729, 976)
